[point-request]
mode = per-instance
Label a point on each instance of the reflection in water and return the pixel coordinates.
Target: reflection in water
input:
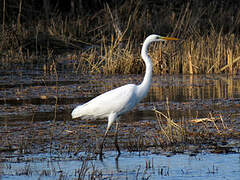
(191, 87)
(23, 95)
(30, 103)
(129, 166)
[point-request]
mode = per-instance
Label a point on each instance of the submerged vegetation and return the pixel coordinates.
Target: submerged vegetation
(107, 39)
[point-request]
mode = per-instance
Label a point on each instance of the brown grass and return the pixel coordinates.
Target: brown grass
(169, 132)
(206, 131)
(108, 40)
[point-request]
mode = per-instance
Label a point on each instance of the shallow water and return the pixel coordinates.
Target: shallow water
(128, 166)
(30, 101)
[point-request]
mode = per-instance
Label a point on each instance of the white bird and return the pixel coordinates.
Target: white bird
(114, 103)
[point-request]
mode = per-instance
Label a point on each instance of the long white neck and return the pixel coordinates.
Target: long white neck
(146, 83)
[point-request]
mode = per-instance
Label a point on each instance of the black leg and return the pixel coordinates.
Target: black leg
(101, 146)
(116, 138)
(111, 118)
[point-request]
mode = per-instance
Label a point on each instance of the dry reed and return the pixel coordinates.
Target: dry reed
(169, 131)
(108, 40)
(199, 131)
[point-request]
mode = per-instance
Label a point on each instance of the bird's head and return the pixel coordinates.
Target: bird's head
(155, 37)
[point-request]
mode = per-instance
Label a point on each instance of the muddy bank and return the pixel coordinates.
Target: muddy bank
(35, 114)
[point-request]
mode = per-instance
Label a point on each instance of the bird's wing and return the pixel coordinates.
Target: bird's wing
(118, 101)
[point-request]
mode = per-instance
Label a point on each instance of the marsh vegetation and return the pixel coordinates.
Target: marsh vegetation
(53, 60)
(107, 40)
(197, 115)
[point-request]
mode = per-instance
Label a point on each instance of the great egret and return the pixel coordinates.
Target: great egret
(113, 103)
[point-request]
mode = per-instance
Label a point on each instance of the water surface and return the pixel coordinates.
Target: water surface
(40, 140)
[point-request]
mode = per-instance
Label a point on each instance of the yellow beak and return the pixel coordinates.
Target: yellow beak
(169, 38)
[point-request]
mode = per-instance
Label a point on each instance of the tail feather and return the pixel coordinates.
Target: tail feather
(76, 112)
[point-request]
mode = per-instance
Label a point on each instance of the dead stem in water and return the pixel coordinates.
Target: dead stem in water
(200, 131)
(169, 131)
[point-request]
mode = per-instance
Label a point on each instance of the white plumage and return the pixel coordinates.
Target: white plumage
(113, 103)
(116, 101)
